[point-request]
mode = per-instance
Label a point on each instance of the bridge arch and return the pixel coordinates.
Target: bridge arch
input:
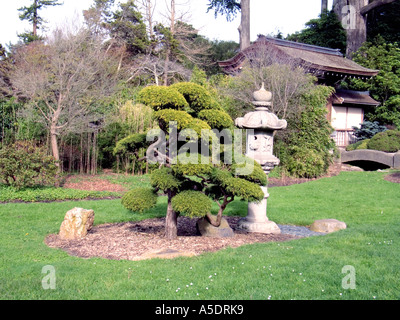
(371, 159)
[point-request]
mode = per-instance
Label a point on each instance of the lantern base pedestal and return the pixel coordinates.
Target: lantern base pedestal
(256, 220)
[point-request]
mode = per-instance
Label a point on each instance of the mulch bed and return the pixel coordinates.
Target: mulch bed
(394, 177)
(92, 183)
(133, 240)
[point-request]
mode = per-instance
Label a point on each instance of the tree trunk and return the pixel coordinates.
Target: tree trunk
(54, 146)
(89, 138)
(357, 27)
(171, 221)
(35, 18)
(81, 157)
(353, 15)
(216, 221)
(168, 52)
(244, 28)
(166, 68)
(324, 6)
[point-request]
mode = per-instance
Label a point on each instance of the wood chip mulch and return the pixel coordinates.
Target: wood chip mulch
(133, 240)
(394, 177)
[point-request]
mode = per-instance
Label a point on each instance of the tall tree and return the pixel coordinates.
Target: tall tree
(324, 6)
(31, 14)
(230, 8)
(353, 14)
(326, 31)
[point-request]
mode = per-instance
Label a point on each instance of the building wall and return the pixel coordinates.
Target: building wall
(343, 119)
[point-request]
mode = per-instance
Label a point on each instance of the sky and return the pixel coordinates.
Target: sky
(267, 17)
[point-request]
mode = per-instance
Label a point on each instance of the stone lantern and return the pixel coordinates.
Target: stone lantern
(260, 126)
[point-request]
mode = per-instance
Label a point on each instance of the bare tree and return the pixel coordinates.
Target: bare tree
(148, 7)
(63, 79)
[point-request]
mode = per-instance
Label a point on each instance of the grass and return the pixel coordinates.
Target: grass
(309, 268)
(45, 194)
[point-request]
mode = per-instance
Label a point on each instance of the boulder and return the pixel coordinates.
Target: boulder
(77, 222)
(327, 225)
(206, 229)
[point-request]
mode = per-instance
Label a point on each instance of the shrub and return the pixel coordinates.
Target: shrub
(192, 203)
(25, 165)
(363, 144)
(196, 95)
(387, 141)
(217, 119)
(305, 150)
(159, 98)
(163, 117)
(164, 179)
(130, 143)
(367, 130)
(139, 199)
(304, 162)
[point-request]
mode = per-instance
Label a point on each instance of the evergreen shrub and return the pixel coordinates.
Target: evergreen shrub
(24, 164)
(363, 144)
(387, 141)
(192, 203)
(217, 119)
(158, 98)
(197, 96)
(139, 199)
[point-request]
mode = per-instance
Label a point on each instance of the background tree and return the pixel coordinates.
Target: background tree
(31, 14)
(72, 73)
(354, 13)
(385, 87)
(326, 31)
(324, 6)
(230, 8)
(384, 21)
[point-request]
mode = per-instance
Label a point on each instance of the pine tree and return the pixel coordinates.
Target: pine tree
(31, 14)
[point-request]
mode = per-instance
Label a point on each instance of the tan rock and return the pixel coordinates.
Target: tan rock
(327, 225)
(206, 229)
(77, 222)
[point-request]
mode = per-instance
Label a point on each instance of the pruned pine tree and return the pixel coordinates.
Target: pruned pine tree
(192, 181)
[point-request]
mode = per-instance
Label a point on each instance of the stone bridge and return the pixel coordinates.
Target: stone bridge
(371, 159)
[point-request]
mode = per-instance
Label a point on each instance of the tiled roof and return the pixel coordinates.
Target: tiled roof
(312, 57)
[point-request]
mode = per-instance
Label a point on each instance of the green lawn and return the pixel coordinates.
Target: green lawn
(309, 268)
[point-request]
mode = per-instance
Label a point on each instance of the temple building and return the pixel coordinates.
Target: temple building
(346, 108)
